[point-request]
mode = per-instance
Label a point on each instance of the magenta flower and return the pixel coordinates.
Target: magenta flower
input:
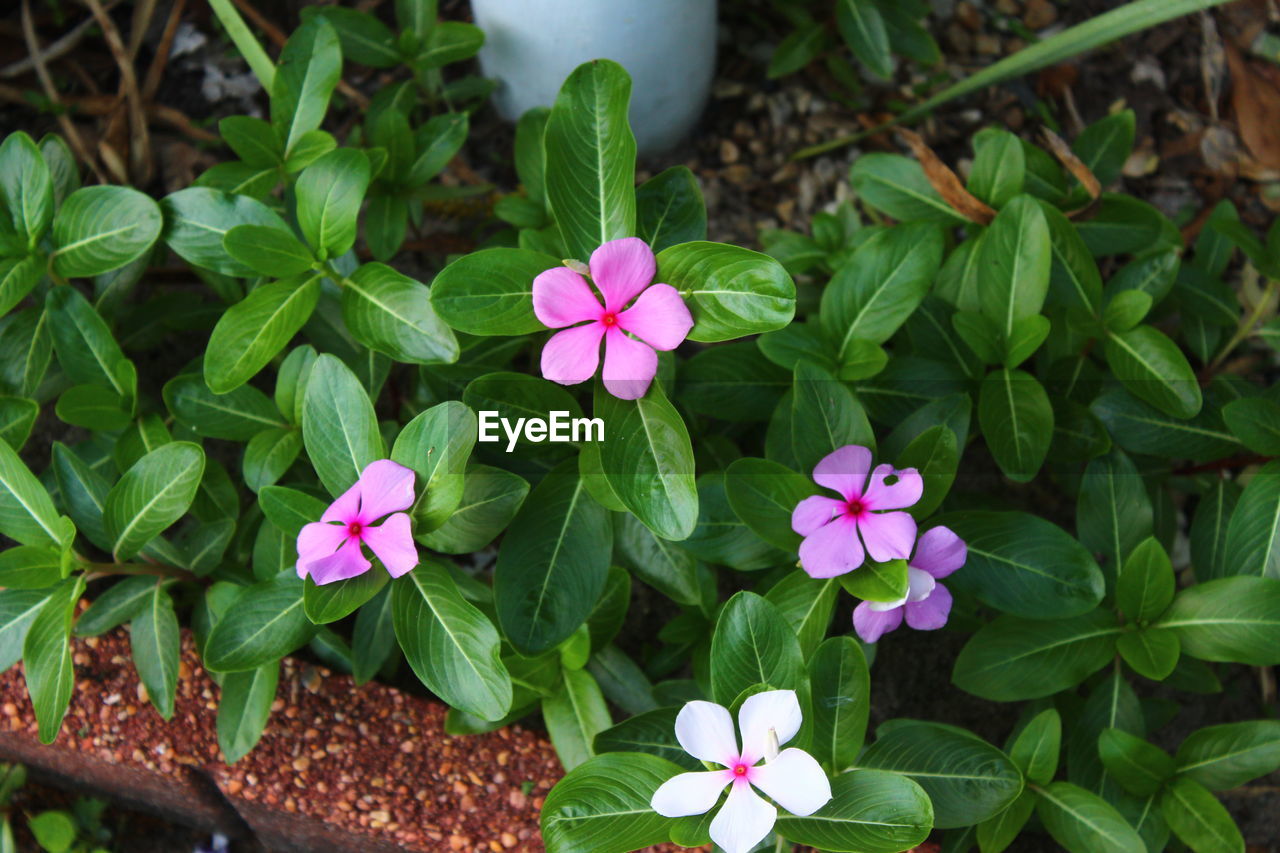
(836, 531)
(329, 549)
(927, 603)
(657, 319)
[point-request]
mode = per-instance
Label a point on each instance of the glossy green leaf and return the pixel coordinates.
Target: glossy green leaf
(330, 192)
(254, 330)
(392, 314)
(670, 209)
(156, 643)
(602, 805)
(764, 494)
(753, 644)
(650, 732)
(1113, 510)
(154, 493)
(99, 229)
(1036, 748)
(339, 599)
(238, 415)
(819, 415)
(244, 708)
(841, 702)
(1146, 582)
(490, 292)
(1153, 369)
(310, 67)
(897, 186)
(26, 186)
(870, 811)
(262, 624)
(268, 250)
(339, 427)
(1198, 819)
(18, 608)
(1252, 545)
(575, 713)
(1083, 822)
(1229, 755)
(1140, 767)
(1233, 619)
(730, 291)
(86, 349)
(863, 29)
(1017, 422)
(46, 658)
(436, 445)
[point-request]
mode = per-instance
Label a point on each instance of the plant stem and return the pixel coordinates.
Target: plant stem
(1246, 326)
(263, 68)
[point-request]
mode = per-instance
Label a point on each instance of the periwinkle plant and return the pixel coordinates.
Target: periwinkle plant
(310, 473)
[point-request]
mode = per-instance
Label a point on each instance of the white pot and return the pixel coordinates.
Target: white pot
(668, 47)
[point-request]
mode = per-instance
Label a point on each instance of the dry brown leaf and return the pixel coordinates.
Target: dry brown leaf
(1077, 168)
(1255, 97)
(947, 183)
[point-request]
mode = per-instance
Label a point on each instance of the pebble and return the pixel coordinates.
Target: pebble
(1039, 14)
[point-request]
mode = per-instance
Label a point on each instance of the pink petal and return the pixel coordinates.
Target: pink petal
(795, 781)
(844, 470)
(931, 613)
(773, 709)
(939, 552)
(621, 269)
(346, 563)
(316, 541)
(561, 298)
(659, 317)
(346, 507)
(743, 821)
(903, 493)
(705, 730)
(871, 624)
(832, 550)
(888, 535)
(629, 366)
(572, 356)
(385, 487)
(392, 542)
(689, 793)
(813, 512)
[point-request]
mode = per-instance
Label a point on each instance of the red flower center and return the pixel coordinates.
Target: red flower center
(855, 508)
(739, 770)
(609, 319)
(354, 528)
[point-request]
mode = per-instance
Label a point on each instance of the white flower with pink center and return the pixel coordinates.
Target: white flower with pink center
(791, 778)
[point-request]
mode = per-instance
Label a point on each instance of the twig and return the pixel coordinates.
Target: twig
(68, 40)
(42, 71)
(140, 162)
(155, 73)
(142, 14)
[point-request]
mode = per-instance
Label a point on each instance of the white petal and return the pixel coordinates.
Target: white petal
(919, 584)
(774, 709)
(743, 821)
(885, 606)
(795, 781)
(705, 730)
(689, 793)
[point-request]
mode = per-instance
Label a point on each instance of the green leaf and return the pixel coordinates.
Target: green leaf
(339, 599)
(1113, 511)
(1146, 582)
(552, 563)
(879, 286)
(800, 47)
(1252, 544)
(1230, 755)
(1140, 767)
(997, 832)
(17, 416)
(26, 186)
(364, 38)
(289, 509)
(451, 41)
(1125, 310)
(254, 330)
(878, 581)
(262, 624)
(46, 658)
(841, 702)
(611, 609)
(1036, 748)
(1198, 819)
(1105, 145)
(720, 537)
(330, 192)
(438, 141)
(115, 606)
(268, 250)
(1017, 422)
(1140, 428)
(764, 494)
(269, 455)
(18, 608)
(436, 445)
(17, 277)
(670, 209)
(661, 564)
(1151, 652)
(253, 140)
(820, 415)
(490, 292)
(339, 426)
(310, 67)
(490, 499)
(1024, 565)
(1012, 658)
(806, 603)
(27, 514)
(591, 156)
(1234, 619)
(999, 167)
(244, 708)
(648, 461)
(870, 812)
(1152, 368)
(238, 415)
(392, 314)
(897, 186)
(99, 229)
(452, 647)
(650, 732)
(55, 831)
(734, 382)
(30, 567)
(154, 493)
(1256, 422)
(1083, 822)
(1074, 280)
(753, 644)
(602, 805)
(86, 350)
(621, 680)
(935, 455)
(156, 643)
(731, 291)
(373, 638)
(93, 407)
(864, 31)
(1013, 265)
(574, 715)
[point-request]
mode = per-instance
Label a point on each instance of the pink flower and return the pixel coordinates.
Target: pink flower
(657, 319)
(792, 778)
(927, 603)
(836, 531)
(329, 549)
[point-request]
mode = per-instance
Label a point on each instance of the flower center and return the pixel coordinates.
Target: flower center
(739, 770)
(609, 319)
(354, 528)
(855, 508)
